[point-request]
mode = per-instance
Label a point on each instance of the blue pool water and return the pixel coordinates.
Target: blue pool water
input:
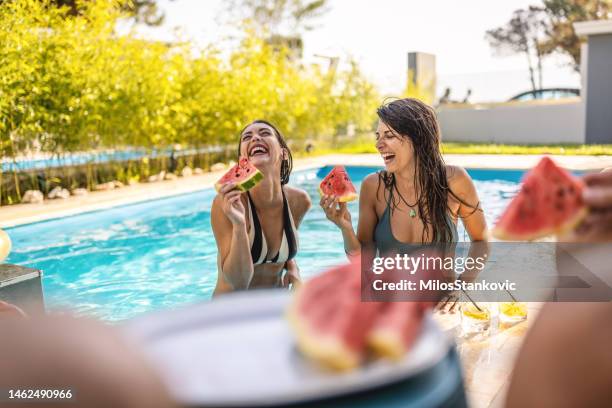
(124, 261)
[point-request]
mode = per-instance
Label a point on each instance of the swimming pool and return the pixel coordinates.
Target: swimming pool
(117, 263)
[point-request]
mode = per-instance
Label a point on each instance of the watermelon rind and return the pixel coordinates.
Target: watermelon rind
(346, 197)
(327, 350)
(387, 343)
(245, 185)
(508, 233)
(343, 198)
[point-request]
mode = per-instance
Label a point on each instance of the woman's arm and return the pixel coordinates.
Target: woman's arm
(367, 210)
(469, 211)
(292, 276)
(229, 227)
(472, 216)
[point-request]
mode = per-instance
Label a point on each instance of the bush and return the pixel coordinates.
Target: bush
(70, 83)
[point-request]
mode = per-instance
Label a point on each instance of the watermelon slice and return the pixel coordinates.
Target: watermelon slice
(329, 319)
(336, 329)
(395, 329)
(244, 174)
(338, 184)
(549, 203)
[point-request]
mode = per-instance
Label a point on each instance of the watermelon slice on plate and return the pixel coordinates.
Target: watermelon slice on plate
(329, 319)
(244, 174)
(395, 329)
(338, 184)
(338, 330)
(549, 203)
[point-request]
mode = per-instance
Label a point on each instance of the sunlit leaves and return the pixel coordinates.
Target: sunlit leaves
(70, 83)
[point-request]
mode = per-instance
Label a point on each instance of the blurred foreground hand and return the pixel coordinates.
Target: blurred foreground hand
(9, 310)
(597, 226)
(86, 356)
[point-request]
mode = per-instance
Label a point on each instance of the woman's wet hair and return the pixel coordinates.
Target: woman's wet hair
(287, 164)
(415, 120)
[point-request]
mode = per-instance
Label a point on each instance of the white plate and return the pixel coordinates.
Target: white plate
(239, 350)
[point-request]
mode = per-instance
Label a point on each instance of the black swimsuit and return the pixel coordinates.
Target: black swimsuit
(259, 246)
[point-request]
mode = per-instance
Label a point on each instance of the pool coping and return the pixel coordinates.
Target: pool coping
(21, 214)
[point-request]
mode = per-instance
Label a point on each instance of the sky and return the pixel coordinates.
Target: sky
(380, 33)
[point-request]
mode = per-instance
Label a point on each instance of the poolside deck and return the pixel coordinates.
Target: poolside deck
(20, 214)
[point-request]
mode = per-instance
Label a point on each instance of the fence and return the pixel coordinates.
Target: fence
(546, 122)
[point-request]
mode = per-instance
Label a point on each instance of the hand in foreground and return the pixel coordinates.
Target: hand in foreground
(232, 205)
(7, 309)
(597, 226)
(336, 212)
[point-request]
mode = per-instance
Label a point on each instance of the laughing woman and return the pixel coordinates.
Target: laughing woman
(256, 231)
(417, 198)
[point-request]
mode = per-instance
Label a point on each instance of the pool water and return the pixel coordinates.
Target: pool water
(118, 263)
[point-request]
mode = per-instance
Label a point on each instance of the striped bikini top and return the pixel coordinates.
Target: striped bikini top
(257, 239)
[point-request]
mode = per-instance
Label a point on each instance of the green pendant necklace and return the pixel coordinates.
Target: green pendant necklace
(412, 213)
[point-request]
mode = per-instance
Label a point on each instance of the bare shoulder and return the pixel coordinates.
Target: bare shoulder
(369, 185)
(216, 205)
(455, 174)
(298, 199)
(458, 178)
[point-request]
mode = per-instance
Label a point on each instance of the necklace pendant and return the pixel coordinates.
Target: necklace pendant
(412, 213)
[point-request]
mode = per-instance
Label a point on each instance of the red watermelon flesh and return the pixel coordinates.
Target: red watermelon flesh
(338, 184)
(336, 329)
(549, 203)
(329, 319)
(395, 329)
(243, 174)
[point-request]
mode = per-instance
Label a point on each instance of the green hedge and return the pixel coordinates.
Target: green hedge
(72, 83)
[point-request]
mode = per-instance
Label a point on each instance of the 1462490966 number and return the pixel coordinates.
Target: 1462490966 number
(37, 394)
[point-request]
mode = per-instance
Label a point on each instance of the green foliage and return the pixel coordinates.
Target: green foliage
(69, 82)
(276, 17)
(562, 14)
(421, 91)
(541, 30)
(523, 35)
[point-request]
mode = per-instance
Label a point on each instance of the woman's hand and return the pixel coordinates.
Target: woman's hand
(597, 226)
(292, 276)
(336, 212)
(232, 206)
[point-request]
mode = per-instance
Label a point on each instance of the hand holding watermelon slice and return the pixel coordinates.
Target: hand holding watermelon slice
(240, 178)
(244, 175)
(597, 196)
(338, 185)
(549, 203)
(336, 190)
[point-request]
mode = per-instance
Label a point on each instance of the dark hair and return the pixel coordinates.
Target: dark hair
(417, 121)
(287, 164)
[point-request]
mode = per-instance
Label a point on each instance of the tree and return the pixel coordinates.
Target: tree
(287, 18)
(523, 34)
(561, 16)
(145, 11)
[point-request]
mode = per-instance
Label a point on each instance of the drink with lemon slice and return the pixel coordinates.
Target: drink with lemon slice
(512, 312)
(475, 319)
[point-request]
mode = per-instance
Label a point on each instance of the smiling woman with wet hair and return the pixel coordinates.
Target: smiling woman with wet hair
(417, 198)
(256, 231)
